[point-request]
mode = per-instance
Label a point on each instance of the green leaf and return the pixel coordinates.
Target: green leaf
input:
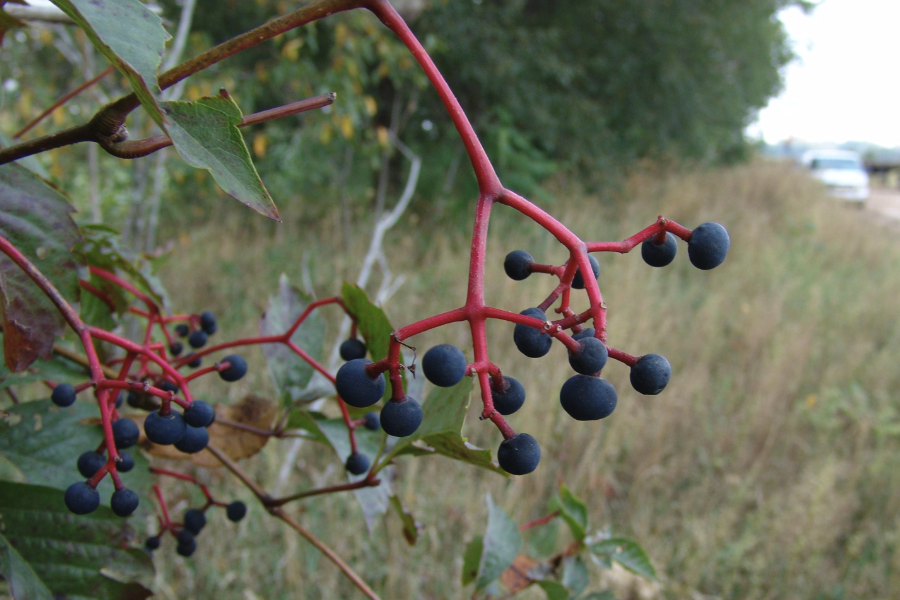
(554, 590)
(44, 442)
(36, 219)
(472, 559)
(206, 135)
(607, 595)
(23, 582)
(29, 162)
(627, 553)
(371, 322)
(131, 37)
(500, 547)
(573, 510)
(57, 369)
(291, 373)
(444, 414)
(410, 526)
(77, 557)
(575, 575)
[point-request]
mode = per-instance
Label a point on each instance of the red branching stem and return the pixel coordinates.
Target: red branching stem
(541, 521)
(369, 481)
(111, 277)
(351, 432)
(136, 386)
(88, 287)
(183, 477)
(662, 224)
(622, 357)
(162, 503)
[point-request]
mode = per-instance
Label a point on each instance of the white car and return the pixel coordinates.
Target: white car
(841, 171)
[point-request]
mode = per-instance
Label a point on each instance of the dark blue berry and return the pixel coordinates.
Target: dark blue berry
(650, 374)
(119, 400)
(533, 343)
(352, 349)
(590, 357)
(194, 440)
(659, 255)
(373, 423)
(199, 414)
(357, 464)
(578, 280)
(519, 455)
(588, 332)
(208, 322)
(588, 398)
(354, 385)
(168, 386)
(517, 265)
(81, 498)
(401, 418)
(186, 550)
(236, 511)
(175, 348)
(185, 537)
(194, 520)
(89, 463)
(197, 339)
(152, 543)
(124, 502)
(444, 365)
(125, 462)
(63, 395)
(182, 330)
(510, 398)
(194, 363)
(125, 433)
(164, 429)
(134, 401)
(236, 369)
(708, 246)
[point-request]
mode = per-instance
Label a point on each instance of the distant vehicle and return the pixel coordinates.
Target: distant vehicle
(841, 171)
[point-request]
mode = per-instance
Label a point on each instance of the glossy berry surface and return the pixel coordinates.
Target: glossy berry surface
(168, 386)
(650, 375)
(182, 330)
(164, 429)
(519, 455)
(81, 498)
(584, 333)
(236, 511)
(372, 422)
(197, 339)
(208, 322)
(152, 543)
(591, 356)
(125, 433)
(355, 386)
(357, 464)
(401, 418)
(533, 343)
(63, 395)
(237, 368)
(510, 398)
(588, 398)
(194, 520)
(659, 255)
(176, 348)
(517, 265)
(708, 246)
(89, 463)
(125, 462)
(194, 440)
(578, 280)
(352, 349)
(444, 365)
(124, 502)
(199, 414)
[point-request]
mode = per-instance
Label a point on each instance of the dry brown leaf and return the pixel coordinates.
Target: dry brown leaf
(515, 577)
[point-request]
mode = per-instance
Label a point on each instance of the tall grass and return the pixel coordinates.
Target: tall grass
(767, 468)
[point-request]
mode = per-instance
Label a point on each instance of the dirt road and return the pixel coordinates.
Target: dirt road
(884, 203)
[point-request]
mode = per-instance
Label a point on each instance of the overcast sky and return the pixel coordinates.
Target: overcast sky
(845, 85)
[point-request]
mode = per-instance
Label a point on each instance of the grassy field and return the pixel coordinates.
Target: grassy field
(767, 468)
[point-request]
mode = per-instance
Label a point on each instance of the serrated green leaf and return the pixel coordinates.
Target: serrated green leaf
(29, 162)
(573, 511)
(36, 219)
(131, 37)
(44, 442)
(554, 590)
(500, 547)
(78, 556)
(410, 526)
(23, 582)
(291, 373)
(57, 369)
(206, 135)
(627, 553)
(575, 575)
(472, 559)
(444, 414)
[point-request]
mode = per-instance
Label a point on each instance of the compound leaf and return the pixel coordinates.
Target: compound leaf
(23, 582)
(371, 322)
(206, 135)
(472, 559)
(36, 219)
(130, 36)
(291, 373)
(77, 556)
(575, 575)
(500, 546)
(627, 553)
(573, 511)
